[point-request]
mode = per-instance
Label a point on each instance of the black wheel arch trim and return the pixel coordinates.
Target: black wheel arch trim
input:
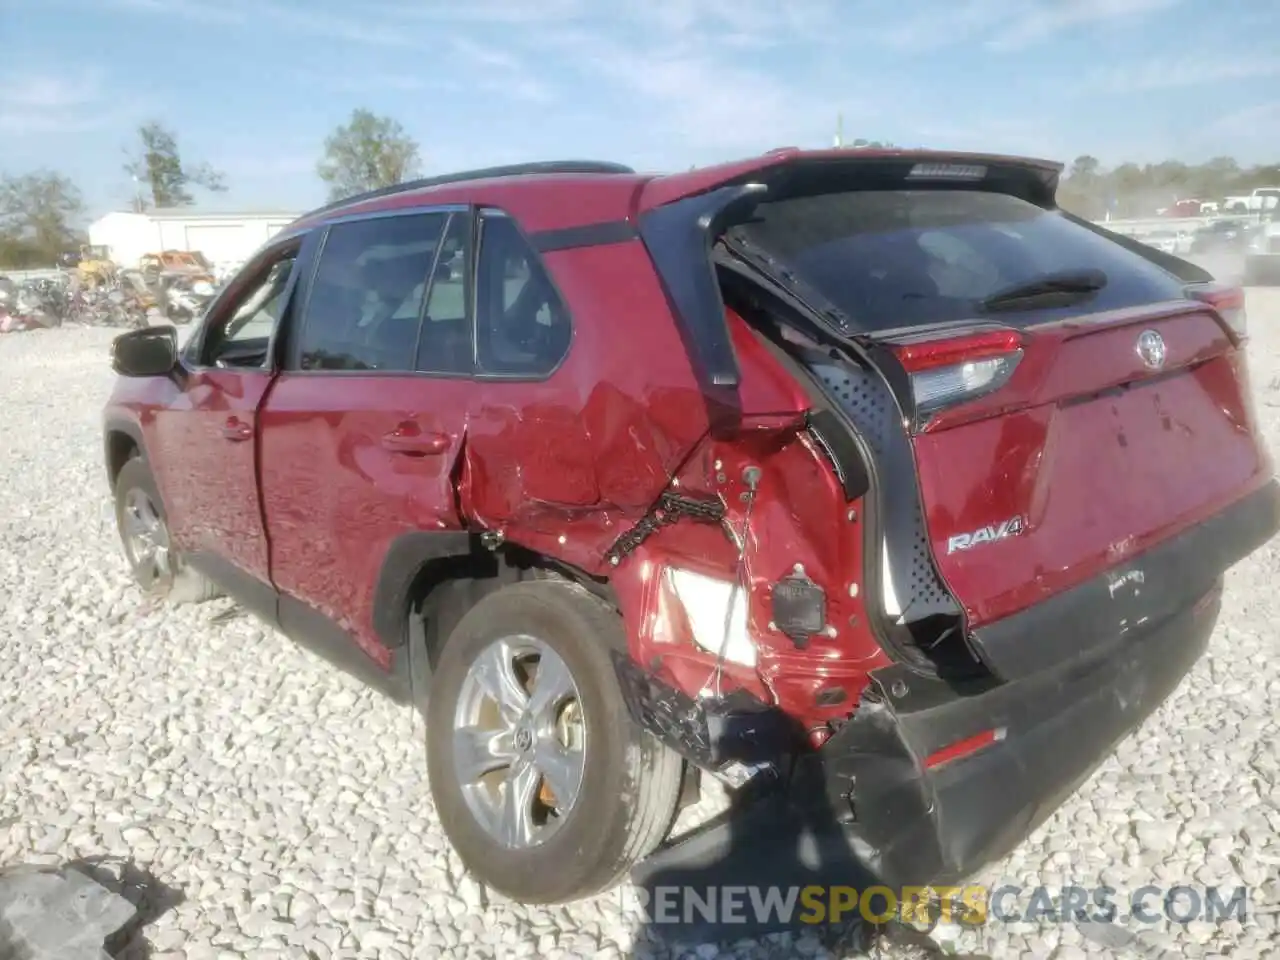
(405, 558)
(113, 425)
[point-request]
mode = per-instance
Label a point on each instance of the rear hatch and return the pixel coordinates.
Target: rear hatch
(1068, 403)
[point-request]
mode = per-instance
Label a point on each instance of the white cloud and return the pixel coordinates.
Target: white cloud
(199, 10)
(1179, 72)
(1002, 25)
(1257, 121)
(363, 82)
(1033, 22)
(50, 92)
(487, 12)
(33, 103)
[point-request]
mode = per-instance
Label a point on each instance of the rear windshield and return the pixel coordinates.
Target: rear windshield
(899, 258)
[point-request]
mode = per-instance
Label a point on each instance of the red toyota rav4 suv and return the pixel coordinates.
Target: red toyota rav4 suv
(869, 479)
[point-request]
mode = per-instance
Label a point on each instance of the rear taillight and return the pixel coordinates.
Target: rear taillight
(948, 370)
(1226, 300)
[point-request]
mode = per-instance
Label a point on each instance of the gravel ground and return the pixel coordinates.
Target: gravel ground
(261, 804)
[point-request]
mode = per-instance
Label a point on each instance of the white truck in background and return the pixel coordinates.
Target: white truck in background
(1261, 200)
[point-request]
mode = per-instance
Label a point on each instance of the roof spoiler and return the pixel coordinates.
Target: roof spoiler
(788, 170)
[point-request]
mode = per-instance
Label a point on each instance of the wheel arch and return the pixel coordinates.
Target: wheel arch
(429, 579)
(122, 439)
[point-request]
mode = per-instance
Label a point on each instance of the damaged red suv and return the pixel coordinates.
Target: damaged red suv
(871, 480)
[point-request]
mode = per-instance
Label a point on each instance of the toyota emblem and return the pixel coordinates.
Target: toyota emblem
(1151, 349)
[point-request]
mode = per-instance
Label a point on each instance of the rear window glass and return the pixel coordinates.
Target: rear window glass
(898, 258)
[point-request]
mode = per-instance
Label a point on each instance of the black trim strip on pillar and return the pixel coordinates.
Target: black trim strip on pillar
(587, 235)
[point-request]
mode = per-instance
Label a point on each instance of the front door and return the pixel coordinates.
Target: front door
(208, 439)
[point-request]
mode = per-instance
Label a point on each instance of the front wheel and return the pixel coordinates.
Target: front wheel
(144, 533)
(546, 788)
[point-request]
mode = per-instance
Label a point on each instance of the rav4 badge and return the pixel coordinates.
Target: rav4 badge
(988, 534)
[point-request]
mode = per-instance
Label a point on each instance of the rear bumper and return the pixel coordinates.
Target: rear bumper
(865, 809)
(915, 825)
(870, 807)
(1100, 615)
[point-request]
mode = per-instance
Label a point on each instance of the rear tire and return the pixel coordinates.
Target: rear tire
(627, 784)
(144, 533)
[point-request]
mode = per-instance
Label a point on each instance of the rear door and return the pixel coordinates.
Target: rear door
(1067, 403)
(363, 428)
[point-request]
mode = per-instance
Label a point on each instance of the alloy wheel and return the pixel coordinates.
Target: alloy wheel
(519, 741)
(146, 539)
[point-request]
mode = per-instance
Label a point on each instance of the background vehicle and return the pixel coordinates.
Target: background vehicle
(1262, 258)
(846, 477)
(95, 267)
(186, 264)
(1221, 236)
(1169, 241)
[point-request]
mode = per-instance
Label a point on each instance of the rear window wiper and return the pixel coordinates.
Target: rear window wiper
(1053, 288)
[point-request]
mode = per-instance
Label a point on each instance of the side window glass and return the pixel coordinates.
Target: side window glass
(522, 325)
(445, 345)
(366, 301)
(245, 338)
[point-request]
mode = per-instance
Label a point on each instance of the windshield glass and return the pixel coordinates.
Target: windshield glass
(897, 258)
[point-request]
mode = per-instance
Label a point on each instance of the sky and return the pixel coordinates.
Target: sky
(252, 87)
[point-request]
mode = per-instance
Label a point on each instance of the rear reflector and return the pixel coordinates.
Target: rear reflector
(1226, 300)
(964, 748)
(961, 367)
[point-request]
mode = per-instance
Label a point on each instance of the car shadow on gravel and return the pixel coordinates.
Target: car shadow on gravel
(771, 847)
(150, 897)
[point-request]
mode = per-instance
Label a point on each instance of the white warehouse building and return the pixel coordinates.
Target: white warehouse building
(224, 238)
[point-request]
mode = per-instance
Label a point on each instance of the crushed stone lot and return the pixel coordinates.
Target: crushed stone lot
(261, 804)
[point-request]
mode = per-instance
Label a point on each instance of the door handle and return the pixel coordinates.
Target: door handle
(408, 439)
(235, 429)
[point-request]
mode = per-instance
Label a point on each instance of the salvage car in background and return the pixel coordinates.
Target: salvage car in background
(841, 476)
(1222, 236)
(1170, 241)
(1262, 258)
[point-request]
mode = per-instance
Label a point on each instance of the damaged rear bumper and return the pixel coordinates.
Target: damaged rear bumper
(886, 801)
(1037, 740)
(866, 809)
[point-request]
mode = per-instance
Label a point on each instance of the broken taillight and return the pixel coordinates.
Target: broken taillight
(951, 369)
(1226, 300)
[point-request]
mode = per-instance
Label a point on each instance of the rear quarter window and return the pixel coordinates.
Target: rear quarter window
(896, 258)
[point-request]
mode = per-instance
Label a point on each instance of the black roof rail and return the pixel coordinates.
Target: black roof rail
(484, 173)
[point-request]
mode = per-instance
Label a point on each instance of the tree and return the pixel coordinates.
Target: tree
(367, 153)
(38, 214)
(159, 166)
(1134, 190)
(1084, 168)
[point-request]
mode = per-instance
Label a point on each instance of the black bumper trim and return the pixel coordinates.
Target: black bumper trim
(942, 825)
(1089, 619)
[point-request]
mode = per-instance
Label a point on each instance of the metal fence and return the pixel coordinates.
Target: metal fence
(1140, 228)
(18, 276)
